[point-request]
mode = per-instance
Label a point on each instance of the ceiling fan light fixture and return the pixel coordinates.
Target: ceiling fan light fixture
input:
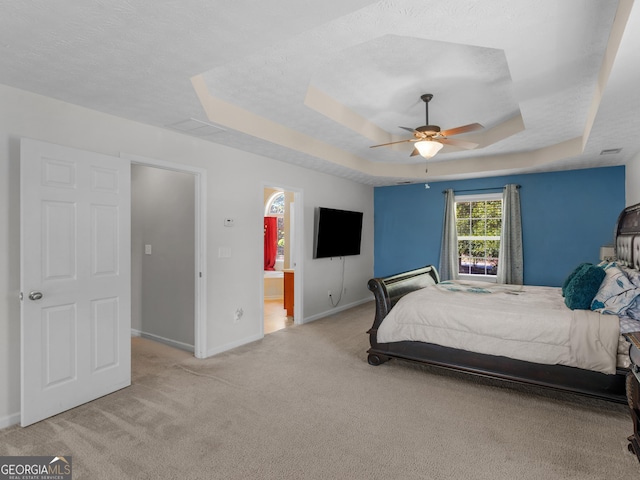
(428, 148)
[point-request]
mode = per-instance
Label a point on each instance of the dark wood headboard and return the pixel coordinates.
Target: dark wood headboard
(628, 237)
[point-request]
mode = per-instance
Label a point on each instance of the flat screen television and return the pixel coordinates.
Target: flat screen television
(337, 233)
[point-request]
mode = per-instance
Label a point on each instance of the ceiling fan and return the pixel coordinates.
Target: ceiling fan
(429, 139)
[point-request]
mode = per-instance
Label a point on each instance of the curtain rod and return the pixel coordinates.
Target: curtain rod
(479, 189)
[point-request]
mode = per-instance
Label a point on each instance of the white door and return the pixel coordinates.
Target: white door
(75, 277)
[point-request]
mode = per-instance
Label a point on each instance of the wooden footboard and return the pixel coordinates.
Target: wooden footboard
(389, 290)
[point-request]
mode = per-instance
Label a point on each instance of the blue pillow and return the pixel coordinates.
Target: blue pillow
(583, 287)
(570, 277)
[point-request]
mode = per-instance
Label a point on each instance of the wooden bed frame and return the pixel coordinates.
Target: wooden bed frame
(389, 290)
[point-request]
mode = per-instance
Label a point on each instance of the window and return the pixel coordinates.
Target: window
(478, 223)
(275, 208)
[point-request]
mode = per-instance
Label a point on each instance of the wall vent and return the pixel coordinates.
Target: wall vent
(610, 151)
(196, 127)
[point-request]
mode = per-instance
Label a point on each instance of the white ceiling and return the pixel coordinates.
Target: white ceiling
(317, 83)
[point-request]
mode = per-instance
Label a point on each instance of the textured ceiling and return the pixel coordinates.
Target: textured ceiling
(317, 83)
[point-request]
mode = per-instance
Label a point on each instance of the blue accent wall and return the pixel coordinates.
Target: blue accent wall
(566, 217)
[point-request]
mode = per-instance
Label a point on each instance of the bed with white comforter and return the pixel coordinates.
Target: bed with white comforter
(529, 323)
(569, 338)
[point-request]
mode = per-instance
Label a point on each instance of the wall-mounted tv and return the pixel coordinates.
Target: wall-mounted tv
(337, 233)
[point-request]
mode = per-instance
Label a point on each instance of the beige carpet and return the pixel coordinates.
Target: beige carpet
(304, 404)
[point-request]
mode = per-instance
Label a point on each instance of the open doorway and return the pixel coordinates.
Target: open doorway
(162, 255)
(168, 255)
(280, 297)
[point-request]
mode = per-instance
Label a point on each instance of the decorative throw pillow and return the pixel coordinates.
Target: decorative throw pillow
(633, 310)
(571, 275)
(616, 293)
(632, 274)
(583, 287)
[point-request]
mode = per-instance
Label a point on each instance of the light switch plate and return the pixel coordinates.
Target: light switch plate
(147, 249)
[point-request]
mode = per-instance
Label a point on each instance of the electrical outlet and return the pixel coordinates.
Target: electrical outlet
(237, 315)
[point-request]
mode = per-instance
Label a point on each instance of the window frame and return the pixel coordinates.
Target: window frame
(480, 197)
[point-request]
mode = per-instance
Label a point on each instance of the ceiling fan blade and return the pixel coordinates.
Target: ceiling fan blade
(408, 129)
(393, 143)
(414, 153)
(472, 127)
(454, 142)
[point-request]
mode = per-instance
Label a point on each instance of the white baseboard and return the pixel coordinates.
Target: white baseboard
(229, 346)
(166, 341)
(337, 309)
(10, 420)
(253, 338)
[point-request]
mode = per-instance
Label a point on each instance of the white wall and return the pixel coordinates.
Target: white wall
(632, 180)
(235, 190)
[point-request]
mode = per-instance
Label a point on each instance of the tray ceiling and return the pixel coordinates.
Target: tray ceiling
(316, 84)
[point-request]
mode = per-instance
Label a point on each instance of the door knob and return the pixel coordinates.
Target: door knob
(35, 295)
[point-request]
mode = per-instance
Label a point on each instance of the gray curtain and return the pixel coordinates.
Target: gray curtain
(448, 268)
(510, 264)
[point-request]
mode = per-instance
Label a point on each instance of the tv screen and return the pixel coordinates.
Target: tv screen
(337, 233)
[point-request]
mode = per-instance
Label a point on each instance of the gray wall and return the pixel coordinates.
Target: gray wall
(162, 215)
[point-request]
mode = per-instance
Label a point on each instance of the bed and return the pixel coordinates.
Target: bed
(564, 367)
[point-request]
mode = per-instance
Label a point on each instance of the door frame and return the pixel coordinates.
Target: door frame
(298, 197)
(200, 281)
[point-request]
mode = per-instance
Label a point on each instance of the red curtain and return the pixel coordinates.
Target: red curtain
(270, 242)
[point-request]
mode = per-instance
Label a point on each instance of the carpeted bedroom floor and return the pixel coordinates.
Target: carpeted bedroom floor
(304, 404)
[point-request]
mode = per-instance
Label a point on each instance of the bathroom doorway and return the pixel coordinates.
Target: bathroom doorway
(280, 253)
